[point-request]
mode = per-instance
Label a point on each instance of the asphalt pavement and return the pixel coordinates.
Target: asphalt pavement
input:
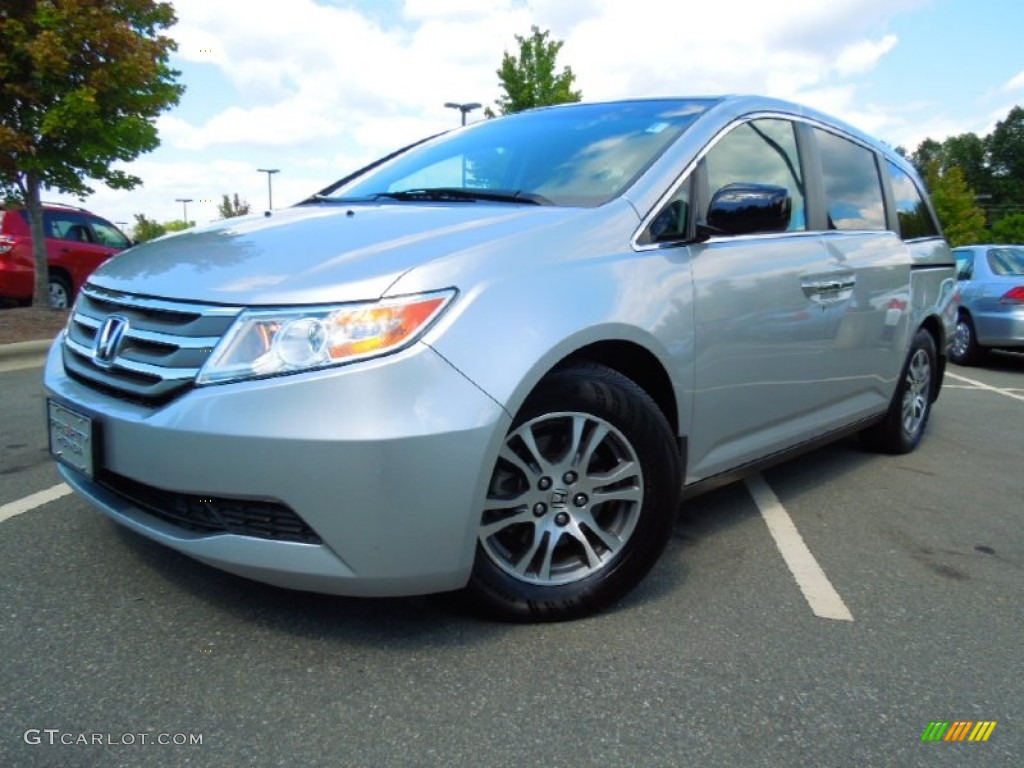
(113, 645)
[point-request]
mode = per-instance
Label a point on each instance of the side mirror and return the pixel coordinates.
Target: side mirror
(743, 209)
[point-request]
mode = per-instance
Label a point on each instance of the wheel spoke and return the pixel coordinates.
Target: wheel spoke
(594, 439)
(628, 493)
(488, 530)
(512, 458)
(545, 566)
(610, 540)
(526, 435)
(593, 559)
(539, 535)
(623, 471)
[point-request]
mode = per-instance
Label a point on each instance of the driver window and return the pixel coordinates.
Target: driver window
(759, 152)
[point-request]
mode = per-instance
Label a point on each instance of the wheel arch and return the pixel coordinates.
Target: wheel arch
(636, 363)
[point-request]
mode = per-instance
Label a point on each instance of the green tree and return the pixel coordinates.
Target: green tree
(81, 85)
(1006, 160)
(230, 208)
(529, 79)
(177, 225)
(961, 218)
(1009, 229)
(967, 151)
(147, 229)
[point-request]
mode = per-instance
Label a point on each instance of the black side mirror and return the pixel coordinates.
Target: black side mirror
(743, 209)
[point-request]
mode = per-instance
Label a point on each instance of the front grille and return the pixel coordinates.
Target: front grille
(163, 348)
(212, 514)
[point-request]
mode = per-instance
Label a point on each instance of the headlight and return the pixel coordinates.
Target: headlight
(271, 342)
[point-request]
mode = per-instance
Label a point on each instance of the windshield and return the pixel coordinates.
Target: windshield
(579, 155)
(1006, 261)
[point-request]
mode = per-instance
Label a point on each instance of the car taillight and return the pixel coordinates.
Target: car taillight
(1013, 296)
(6, 243)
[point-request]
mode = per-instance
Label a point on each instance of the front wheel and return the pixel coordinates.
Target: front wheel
(581, 501)
(904, 424)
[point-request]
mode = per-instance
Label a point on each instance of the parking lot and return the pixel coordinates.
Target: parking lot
(724, 656)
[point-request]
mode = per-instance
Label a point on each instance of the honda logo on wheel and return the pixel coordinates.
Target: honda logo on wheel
(108, 340)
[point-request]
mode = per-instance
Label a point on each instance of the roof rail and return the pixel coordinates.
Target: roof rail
(64, 205)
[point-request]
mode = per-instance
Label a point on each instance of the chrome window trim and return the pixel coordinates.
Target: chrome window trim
(689, 169)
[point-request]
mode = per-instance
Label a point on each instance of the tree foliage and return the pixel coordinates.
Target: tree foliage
(962, 220)
(529, 80)
(992, 166)
(1009, 229)
(81, 85)
(147, 229)
(229, 208)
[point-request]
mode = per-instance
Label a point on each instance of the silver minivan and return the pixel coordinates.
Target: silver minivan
(496, 360)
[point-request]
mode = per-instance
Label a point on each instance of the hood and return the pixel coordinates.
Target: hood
(313, 254)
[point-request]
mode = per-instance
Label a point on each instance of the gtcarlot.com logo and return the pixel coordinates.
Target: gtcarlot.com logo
(55, 736)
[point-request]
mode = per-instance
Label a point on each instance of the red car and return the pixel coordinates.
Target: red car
(76, 243)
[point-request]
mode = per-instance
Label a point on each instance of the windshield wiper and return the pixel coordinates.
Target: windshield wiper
(462, 194)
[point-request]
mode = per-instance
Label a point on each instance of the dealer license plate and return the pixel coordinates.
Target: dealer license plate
(71, 437)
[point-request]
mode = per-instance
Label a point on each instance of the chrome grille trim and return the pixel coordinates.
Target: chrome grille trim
(161, 352)
(207, 342)
(148, 370)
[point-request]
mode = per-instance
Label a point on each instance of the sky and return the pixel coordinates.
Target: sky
(319, 88)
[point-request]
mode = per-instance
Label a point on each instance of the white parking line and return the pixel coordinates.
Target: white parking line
(818, 590)
(983, 385)
(33, 501)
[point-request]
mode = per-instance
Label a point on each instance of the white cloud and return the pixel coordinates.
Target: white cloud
(863, 55)
(1015, 83)
(324, 88)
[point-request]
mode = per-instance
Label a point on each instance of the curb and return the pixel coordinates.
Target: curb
(24, 354)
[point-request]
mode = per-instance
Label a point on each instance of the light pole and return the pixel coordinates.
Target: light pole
(463, 108)
(270, 191)
(184, 207)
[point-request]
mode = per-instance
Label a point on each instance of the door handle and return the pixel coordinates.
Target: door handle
(829, 288)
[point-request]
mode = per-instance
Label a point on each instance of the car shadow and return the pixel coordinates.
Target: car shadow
(440, 620)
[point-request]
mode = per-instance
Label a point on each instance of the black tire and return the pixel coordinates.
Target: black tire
(905, 422)
(965, 349)
(60, 291)
(550, 548)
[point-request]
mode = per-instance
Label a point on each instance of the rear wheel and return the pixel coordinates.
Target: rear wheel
(581, 500)
(60, 291)
(911, 404)
(965, 349)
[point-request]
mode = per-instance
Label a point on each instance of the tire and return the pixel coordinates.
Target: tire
(581, 501)
(60, 292)
(965, 349)
(905, 422)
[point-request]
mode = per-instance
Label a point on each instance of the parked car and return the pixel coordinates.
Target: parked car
(991, 316)
(76, 243)
(494, 361)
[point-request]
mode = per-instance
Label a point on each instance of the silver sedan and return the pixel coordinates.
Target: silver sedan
(991, 315)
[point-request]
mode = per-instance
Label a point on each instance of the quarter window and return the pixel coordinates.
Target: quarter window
(759, 152)
(915, 218)
(853, 189)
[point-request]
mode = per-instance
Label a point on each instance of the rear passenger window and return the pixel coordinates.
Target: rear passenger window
(759, 152)
(915, 218)
(853, 189)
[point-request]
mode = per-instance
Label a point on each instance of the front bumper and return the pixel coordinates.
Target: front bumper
(386, 460)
